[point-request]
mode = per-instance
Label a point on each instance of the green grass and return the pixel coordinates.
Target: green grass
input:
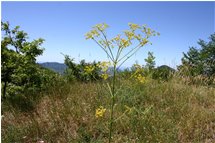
(163, 112)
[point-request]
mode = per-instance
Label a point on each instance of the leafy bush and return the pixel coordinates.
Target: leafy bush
(200, 61)
(20, 74)
(163, 72)
(78, 71)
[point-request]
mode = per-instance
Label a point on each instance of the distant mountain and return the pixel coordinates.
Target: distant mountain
(57, 67)
(165, 68)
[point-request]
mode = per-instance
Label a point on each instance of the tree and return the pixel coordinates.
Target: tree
(76, 71)
(200, 61)
(150, 62)
(163, 73)
(18, 59)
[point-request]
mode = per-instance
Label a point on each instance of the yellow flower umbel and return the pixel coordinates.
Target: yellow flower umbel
(124, 43)
(134, 26)
(100, 112)
(140, 78)
(104, 76)
(104, 68)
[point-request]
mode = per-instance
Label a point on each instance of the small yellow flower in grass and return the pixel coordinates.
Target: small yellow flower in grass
(140, 78)
(100, 112)
(104, 66)
(104, 76)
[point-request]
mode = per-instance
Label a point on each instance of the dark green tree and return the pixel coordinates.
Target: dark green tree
(18, 59)
(200, 61)
(150, 62)
(76, 71)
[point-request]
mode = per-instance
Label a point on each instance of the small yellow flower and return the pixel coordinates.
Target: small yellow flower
(149, 32)
(144, 41)
(104, 76)
(134, 26)
(124, 43)
(100, 112)
(129, 34)
(117, 38)
(101, 26)
(88, 35)
(140, 78)
(104, 66)
(138, 37)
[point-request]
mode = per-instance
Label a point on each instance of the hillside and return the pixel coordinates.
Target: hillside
(57, 67)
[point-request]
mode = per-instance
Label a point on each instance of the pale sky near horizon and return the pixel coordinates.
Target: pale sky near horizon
(64, 24)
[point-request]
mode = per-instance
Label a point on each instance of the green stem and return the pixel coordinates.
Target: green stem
(112, 102)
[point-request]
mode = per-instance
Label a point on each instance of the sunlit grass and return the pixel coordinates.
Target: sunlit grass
(151, 112)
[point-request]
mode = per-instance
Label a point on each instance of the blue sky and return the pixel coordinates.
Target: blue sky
(63, 25)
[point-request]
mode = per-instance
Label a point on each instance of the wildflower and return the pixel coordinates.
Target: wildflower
(134, 26)
(101, 26)
(104, 76)
(149, 32)
(140, 78)
(93, 33)
(104, 66)
(138, 37)
(100, 112)
(124, 43)
(144, 41)
(129, 34)
(117, 38)
(89, 35)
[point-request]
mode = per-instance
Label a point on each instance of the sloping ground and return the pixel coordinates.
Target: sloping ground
(150, 112)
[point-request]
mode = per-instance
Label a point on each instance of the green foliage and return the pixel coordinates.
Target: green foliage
(163, 73)
(76, 71)
(200, 61)
(150, 62)
(19, 71)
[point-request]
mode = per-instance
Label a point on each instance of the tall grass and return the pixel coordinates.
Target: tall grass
(151, 112)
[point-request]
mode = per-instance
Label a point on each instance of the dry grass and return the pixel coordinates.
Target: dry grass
(159, 112)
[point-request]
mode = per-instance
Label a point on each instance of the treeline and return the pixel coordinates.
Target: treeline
(21, 75)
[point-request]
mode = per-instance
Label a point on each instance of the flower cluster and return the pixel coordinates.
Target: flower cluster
(136, 32)
(101, 26)
(134, 26)
(104, 76)
(95, 32)
(130, 35)
(140, 78)
(124, 43)
(100, 112)
(104, 68)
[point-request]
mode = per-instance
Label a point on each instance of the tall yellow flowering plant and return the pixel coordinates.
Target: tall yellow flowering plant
(136, 34)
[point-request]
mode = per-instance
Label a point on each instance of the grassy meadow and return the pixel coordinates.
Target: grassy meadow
(153, 112)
